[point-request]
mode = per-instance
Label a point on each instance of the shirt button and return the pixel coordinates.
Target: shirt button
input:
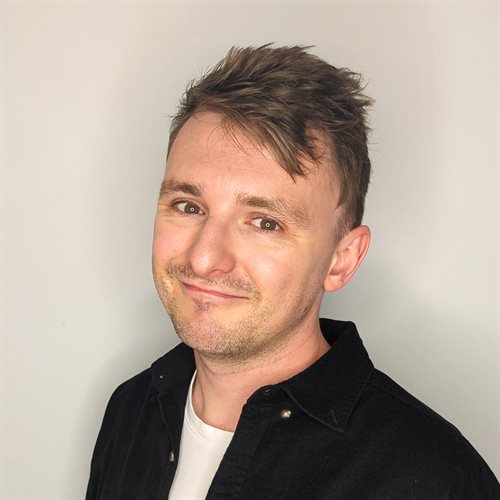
(286, 414)
(171, 457)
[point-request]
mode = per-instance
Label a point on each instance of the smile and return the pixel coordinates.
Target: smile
(199, 291)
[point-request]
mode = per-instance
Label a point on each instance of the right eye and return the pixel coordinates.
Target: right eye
(188, 208)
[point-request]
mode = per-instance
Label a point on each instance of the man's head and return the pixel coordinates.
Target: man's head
(295, 104)
(247, 233)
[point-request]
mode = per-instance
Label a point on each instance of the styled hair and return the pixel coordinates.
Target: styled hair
(287, 99)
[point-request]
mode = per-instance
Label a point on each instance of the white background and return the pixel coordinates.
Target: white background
(87, 90)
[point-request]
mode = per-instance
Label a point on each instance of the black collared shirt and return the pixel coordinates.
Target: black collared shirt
(338, 430)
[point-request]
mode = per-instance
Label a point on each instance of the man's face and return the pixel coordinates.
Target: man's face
(241, 251)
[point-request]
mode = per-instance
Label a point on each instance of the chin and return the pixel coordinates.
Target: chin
(221, 340)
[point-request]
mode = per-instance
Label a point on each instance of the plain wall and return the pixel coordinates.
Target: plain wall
(87, 90)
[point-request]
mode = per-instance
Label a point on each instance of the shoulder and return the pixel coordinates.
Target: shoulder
(133, 387)
(399, 411)
(423, 444)
(131, 391)
(124, 407)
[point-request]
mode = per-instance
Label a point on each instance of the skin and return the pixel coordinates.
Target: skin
(242, 255)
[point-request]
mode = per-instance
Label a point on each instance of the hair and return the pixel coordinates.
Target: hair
(287, 99)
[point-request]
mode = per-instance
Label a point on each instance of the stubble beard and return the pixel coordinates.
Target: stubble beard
(213, 335)
(245, 339)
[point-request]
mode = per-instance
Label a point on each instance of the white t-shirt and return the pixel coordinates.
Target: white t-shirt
(201, 451)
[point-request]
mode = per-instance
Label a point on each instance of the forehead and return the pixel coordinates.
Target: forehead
(205, 149)
(205, 137)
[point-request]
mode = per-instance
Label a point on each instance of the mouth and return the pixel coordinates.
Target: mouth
(203, 291)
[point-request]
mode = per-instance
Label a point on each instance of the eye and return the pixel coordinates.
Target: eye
(188, 207)
(266, 224)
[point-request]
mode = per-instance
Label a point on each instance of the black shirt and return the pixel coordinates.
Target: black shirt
(338, 430)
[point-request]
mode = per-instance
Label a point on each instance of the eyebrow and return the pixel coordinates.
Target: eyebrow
(172, 186)
(278, 206)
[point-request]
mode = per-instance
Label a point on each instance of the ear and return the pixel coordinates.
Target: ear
(349, 254)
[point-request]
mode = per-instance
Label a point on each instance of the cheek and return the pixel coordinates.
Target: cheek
(167, 242)
(289, 273)
(263, 268)
(272, 272)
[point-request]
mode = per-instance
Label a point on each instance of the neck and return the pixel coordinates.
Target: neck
(221, 389)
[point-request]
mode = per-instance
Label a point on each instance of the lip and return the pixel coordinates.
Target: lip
(210, 292)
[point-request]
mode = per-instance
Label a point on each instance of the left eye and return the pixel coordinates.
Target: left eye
(266, 224)
(188, 207)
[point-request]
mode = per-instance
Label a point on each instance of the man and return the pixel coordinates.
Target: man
(259, 214)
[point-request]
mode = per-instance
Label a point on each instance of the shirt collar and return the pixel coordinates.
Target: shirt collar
(330, 388)
(327, 391)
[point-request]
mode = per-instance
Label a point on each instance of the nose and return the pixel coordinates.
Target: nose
(212, 252)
